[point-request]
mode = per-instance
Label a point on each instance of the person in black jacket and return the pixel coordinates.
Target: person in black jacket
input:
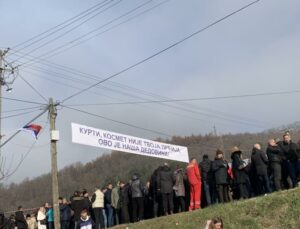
(259, 162)
(241, 177)
(109, 209)
(4, 222)
(153, 192)
(291, 157)
(78, 203)
(165, 187)
(274, 154)
(206, 174)
(124, 202)
(219, 167)
(20, 219)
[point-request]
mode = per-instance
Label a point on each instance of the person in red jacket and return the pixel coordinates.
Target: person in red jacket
(194, 179)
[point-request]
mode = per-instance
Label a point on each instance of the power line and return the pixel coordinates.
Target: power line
(72, 20)
(218, 117)
(33, 88)
(21, 109)
(22, 101)
(97, 34)
(20, 114)
(65, 46)
(214, 114)
(68, 31)
(164, 111)
(112, 83)
(115, 84)
(33, 58)
(116, 121)
(159, 52)
(189, 99)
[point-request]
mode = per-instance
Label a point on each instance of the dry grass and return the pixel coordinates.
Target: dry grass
(279, 210)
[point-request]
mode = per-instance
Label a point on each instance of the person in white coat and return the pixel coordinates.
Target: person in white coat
(41, 218)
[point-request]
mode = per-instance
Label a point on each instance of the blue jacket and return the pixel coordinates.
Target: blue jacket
(65, 212)
(50, 215)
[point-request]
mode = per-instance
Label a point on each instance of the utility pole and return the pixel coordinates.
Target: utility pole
(1, 78)
(4, 82)
(54, 138)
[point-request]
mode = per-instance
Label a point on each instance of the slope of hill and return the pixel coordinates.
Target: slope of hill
(118, 165)
(276, 211)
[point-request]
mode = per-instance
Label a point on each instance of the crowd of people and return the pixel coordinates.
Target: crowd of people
(168, 192)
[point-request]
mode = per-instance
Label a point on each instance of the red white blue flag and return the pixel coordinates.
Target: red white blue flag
(34, 129)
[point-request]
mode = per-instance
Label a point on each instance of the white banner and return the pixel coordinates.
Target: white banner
(105, 139)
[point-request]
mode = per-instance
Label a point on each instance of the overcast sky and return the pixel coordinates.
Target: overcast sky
(254, 51)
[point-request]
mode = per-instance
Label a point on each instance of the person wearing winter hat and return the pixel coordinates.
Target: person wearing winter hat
(137, 198)
(240, 174)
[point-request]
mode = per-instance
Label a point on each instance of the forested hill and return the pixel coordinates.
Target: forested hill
(118, 165)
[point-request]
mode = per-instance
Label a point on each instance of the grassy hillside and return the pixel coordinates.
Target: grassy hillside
(277, 211)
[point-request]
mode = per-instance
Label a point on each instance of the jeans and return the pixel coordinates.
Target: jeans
(294, 170)
(206, 190)
(64, 224)
(104, 217)
(264, 184)
(99, 218)
(110, 215)
(50, 225)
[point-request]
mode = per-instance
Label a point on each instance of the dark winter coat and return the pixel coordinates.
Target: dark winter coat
(65, 212)
(107, 196)
(206, 170)
(78, 204)
(20, 220)
(238, 168)
(136, 188)
(124, 195)
(289, 151)
(165, 180)
(274, 154)
(153, 184)
(219, 167)
(4, 222)
(259, 162)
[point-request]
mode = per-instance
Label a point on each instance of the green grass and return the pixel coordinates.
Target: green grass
(276, 211)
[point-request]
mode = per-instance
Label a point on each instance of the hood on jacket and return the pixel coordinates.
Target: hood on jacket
(78, 198)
